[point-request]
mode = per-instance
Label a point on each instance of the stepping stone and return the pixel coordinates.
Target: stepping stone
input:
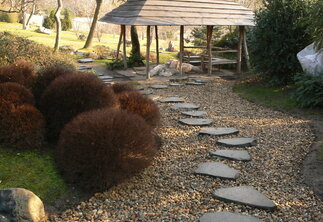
(158, 86)
(237, 142)
(176, 84)
(226, 216)
(195, 83)
(107, 80)
(153, 97)
(239, 155)
(140, 88)
(88, 60)
(172, 100)
(105, 77)
(184, 106)
(195, 113)
(127, 73)
(201, 80)
(217, 169)
(179, 79)
(246, 195)
(220, 131)
(196, 122)
(81, 68)
(146, 92)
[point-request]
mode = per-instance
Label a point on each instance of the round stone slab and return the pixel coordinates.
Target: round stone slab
(217, 169)
(158, 86)
(246, 195)
(221, 131)
(239, 155)
(105, 77)
(153, 96)
(146, 92)
(237, 142)
(172, 100)
(176, 84)
(196, 122)
(195, 113)
(201, 80)
(179, 79)
(184, 106)
(195, 83)
(227, 217)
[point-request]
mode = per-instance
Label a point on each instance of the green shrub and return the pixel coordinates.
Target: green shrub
(229, 40)
(279, 34)
(101, 148)
(13, 48)
(315, 23)
(67, 20)
(4, 17)
(309, 90)
(9, 17)
(49, 21)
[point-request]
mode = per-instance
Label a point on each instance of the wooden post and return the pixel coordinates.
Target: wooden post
(125, 66)
(181, 49)
(239, 57)
(147, 52)
(119, 43)
(157, 44)
(246, 53)
(209, 29)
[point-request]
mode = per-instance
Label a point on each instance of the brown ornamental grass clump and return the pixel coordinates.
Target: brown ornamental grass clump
(46, 75)
(122, 87)
(101, 148)
(135, 102)
(16, 94)
(69, 95)
(21, 126)
(21, 72)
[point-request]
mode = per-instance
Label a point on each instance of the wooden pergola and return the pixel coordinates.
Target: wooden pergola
(181, 13)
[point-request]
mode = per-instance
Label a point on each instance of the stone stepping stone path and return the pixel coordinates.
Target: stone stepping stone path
(237, 142)
(238, 155)
(196, 122)
(146, 92)
(201, 80)
(195, 113)
(217, 169)
(153, 97)
(83, 68)
(184, 106)
(195, 83)
(179, 79)
(158, 86)
(227, 217)
(105, 77)
(172, 100)
(87, 60)
(246, 195)
(220, 131)
(176, 84)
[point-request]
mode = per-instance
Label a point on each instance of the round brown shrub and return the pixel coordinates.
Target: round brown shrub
(46, 76)
(141, 105)
(122, 87)
(69, 95)
(103, 147)
(16, 93)
(21, 126)
(21, 72)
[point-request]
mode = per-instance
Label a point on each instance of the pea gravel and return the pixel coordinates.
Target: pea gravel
(169, 191)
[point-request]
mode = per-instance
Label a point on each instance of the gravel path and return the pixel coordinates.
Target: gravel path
(169, 191)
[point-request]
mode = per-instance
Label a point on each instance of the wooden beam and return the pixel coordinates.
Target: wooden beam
(181, 49)
(119, 43)
(125, 66)
(147, 52)
(157, 44)
(245, 48)
(209, 31)
(239, 57)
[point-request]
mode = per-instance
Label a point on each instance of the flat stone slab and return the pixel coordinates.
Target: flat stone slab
(237, 142)
(176, 84)
(196, 122)
(88, 60)
(226, 216)
(127, 73)
(184, 106)
(158, 86)
(172, 100)
(220, 131)
(153, 97)
(201, 80)
(217, 169)
(105, 77)
(239, 155)
(195, 83)
(246, 195)
(195, 113)
(146, 92)
(179, 79)
(81, 68)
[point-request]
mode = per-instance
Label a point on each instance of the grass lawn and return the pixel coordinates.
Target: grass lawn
(32, 170)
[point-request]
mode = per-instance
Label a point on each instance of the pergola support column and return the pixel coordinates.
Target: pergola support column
(245, 48)
(148, 52)
(240, 43)
(209, 30)
(157, 44)
(181, 49)
(125, 66)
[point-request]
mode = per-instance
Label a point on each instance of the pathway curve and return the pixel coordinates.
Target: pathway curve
(170, 191)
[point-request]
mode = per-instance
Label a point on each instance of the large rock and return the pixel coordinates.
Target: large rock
(21, 205)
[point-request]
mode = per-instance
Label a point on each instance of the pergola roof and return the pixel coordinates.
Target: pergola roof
(180, 12)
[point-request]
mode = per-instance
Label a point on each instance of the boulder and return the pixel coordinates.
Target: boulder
(171, 46)
(67, 49)
(18, 204)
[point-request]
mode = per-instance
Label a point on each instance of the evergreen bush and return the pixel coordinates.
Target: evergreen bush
(16, 94)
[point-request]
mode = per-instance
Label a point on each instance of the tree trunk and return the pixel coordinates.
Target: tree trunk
(135, 44)
(93, 26)
(58, 24)
(23, 10)
(31, 15)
